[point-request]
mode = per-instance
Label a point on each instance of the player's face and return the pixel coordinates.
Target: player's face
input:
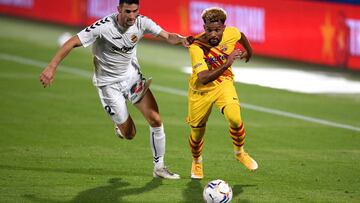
(128, 14)
(214, 32)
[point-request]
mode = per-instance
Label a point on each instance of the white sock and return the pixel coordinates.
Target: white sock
(157, 143)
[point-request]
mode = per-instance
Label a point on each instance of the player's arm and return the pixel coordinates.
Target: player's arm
(246, 44)
(207, 76)
(47, 76)
(174, 38)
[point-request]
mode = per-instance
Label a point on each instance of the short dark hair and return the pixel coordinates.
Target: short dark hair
(129, 2)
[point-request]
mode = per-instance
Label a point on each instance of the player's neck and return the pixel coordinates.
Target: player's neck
(121, 24)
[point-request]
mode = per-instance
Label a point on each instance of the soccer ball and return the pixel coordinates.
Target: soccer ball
(217, 191)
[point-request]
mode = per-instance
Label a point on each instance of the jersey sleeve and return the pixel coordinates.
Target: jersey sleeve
(234, 32)
(197, 59)
(89, 35)
(150, 27)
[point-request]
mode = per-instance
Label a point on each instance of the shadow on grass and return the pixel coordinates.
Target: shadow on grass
(113, 192)
(194, 190)
(89, 171)
(237, 190)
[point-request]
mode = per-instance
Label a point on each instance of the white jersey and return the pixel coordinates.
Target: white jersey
(114, 48)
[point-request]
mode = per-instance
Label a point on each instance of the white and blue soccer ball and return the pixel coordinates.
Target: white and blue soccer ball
(217, 191)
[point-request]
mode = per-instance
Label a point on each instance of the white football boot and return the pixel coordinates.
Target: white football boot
(165, 173)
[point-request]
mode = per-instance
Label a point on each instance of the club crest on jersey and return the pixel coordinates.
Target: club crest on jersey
(134, 38)
(223, 48)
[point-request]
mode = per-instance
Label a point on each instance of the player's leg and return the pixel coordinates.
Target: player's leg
(126, 130)
(114, 104)
(237, 133)
(196, 141)
(199, 109)
(149, 108)
(229, 104)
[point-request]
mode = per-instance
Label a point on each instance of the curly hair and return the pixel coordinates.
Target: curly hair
(214, 14)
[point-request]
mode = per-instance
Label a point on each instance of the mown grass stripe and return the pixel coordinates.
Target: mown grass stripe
(83, 73)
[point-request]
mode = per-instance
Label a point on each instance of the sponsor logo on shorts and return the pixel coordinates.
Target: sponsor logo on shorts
(136, 88)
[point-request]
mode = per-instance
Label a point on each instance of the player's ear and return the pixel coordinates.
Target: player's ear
(119, 8)
(223, 26)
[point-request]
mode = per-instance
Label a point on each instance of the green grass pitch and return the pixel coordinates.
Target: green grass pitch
(58, 145)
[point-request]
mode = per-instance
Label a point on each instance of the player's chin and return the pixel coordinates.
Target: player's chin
(214, 42)
(130, 23)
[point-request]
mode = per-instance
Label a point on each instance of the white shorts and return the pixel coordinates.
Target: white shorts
(114, 97)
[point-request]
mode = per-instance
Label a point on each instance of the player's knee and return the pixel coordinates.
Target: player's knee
(232, 115)
(154, 119)
(197, 132)
(127, 131)
(130, 134)
(235, 120)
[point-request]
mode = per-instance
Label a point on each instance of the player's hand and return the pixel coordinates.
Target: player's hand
(236, 54)
(185, 43)
(245, 55)
(189, 40)
(47, 76)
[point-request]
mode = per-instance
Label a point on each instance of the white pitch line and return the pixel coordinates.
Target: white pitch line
(83, 73)
(300, 117)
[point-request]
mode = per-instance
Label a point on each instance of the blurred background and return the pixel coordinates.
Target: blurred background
(315, 31)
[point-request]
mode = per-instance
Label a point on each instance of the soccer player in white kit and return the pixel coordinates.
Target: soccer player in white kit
(117, 74)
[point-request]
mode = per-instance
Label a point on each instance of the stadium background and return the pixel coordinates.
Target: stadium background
(312, 31)
(57, 145)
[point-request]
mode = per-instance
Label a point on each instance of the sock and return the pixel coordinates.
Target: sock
(238, 137)
(157, 143)
(232, 114)
(196, 142)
